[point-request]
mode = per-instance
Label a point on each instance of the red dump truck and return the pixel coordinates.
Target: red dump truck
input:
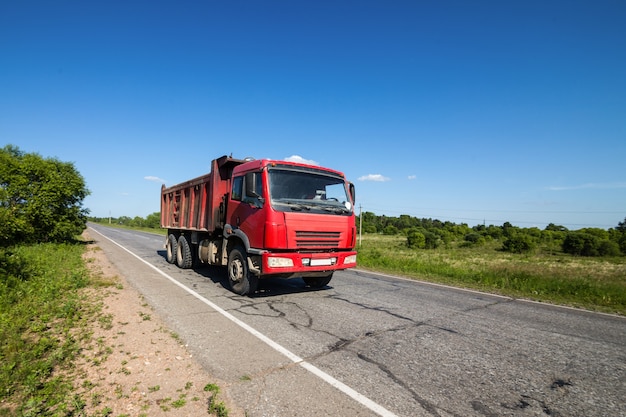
(262, 218)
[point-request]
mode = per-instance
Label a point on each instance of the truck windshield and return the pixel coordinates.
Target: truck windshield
(308, 190)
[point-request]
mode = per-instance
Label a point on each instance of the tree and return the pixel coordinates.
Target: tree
(153, 220)
(40, 198)
(508, 229)
(556, 228)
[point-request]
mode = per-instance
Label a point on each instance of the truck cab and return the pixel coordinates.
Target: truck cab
(292, 219)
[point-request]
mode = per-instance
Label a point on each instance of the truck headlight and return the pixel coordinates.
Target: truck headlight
(275, 262)
(350, 259)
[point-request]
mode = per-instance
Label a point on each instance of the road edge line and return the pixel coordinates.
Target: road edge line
(350, 392)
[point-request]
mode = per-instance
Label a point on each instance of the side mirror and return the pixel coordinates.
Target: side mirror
(251, 185)
(251, 196)
(352, 193)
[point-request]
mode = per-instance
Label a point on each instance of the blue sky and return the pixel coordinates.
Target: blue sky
(467, 111)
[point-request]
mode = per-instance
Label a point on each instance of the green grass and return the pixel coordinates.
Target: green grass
(41, 314)
(45, 320)
(593, 283)
(215, 407)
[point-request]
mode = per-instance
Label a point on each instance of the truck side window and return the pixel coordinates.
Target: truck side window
(237, 189)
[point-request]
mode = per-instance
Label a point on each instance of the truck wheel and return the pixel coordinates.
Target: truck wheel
(240, 279)
(171, 246)
(318, 282)
(184, 257)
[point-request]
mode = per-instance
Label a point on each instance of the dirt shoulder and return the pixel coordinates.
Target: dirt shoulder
(133, 365)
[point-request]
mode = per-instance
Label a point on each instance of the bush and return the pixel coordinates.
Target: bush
(608, 248)
(433, 240)
(390, 230)
(474, 238)
(416, 239)
(519, 243)
(581, 244)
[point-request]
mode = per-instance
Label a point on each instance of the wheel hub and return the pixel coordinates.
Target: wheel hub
(236, 272)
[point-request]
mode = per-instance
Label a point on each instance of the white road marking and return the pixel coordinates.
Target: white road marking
(360, 398)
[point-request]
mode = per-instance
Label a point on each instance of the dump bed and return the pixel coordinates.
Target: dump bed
(199, 204)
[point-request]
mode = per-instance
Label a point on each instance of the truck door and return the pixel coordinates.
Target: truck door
(246, 207)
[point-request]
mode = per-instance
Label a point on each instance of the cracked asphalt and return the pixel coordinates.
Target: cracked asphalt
(413, 348)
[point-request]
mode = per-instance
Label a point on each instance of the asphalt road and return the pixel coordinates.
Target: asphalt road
(371, 344)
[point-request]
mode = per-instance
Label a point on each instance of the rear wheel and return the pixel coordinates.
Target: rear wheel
(318, 282)
(171, 246)
(240, 279)
(184, 257)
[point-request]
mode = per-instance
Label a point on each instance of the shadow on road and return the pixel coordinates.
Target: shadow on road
(268, 287)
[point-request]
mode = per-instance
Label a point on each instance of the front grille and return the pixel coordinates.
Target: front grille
(318, 239)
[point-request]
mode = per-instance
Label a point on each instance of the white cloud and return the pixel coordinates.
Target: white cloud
(301, 160)
(412, 177)
(153, 178)
(605, 186)
(374, 177)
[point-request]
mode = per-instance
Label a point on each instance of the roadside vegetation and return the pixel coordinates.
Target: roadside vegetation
(42, 317)
(46, 316)
(42, 324)
(582, 268)
(592, 283)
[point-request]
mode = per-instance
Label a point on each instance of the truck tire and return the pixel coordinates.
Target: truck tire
(318, 282)
(241, 281)
(171, 246)
(184, 257)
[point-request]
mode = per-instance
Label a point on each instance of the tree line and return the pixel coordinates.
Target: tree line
(151, 221)
(422, 233)
(431, 234)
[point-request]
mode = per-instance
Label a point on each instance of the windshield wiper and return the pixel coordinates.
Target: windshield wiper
(340, 210)
(296, 206)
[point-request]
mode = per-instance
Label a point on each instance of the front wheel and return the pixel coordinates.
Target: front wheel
(318, 282)
(241, 281)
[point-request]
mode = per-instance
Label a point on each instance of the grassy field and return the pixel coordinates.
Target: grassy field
(593, 283)
(42, 321)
